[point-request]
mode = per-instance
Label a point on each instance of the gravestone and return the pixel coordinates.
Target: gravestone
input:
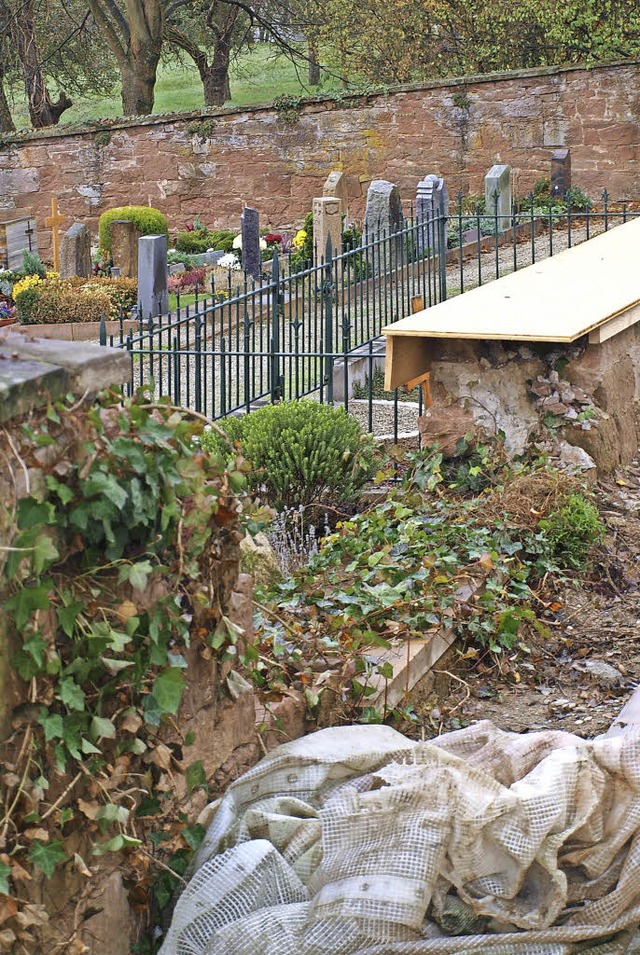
(327, 221)
(335, 187)
(153, 298)
(384, 208)
(75, 252)
(250, 230)
(560, 173)
(124, 247)
(497, 195)
(16, 237)
(432, 209)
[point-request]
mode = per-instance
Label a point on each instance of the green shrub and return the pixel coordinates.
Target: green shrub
(27, 306)
(201, 240)
(573, 531)
(32, 264)
(302, 452)
(149, 221)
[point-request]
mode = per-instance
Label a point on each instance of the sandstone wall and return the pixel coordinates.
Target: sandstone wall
(211, 164)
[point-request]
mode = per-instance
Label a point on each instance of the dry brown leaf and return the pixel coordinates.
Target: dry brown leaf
(81, 865)
(32, 914)
(131, 723)
(161, 756)
(40, 834)
(127, 609)
(18, 874)
(77, 947)
(7, 937)
(8, 908)
(10, 780)
(89, 809)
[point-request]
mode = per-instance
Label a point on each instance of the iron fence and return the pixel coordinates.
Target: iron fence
(315, 331)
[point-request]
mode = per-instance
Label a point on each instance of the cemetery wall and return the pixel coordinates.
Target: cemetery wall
(211, 164)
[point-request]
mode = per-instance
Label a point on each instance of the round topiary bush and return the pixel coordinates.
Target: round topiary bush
(150, 222)
(303, 453)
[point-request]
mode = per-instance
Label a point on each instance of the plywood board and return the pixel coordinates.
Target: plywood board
(556, 300)
(615, 325)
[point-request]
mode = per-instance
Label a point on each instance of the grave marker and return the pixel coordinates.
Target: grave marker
(432, 209)
(16, 236)
(250, 230)
(124, 247)
(52, 222)
(382, 218)
(75, 252)
(497, 195)
(335, 187)
(560, 173)
(327, 221)
(153, 297)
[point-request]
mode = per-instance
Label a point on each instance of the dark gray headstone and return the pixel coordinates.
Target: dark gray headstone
(497, 195)
(471, 235)
(384, 208)
(250, 229)
(153, 297)
(124, 246)
(75, 252)
(560, 173)
(432, 209)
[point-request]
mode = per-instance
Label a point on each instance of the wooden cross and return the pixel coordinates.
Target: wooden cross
(29, 231)
(52, 222)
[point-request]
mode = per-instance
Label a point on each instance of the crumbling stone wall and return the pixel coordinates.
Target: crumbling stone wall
(191, 167)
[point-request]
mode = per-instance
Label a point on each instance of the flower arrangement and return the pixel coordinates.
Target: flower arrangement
(29, 281)
(299, 239)
(5, 311)
(186, 281)
(229, 261)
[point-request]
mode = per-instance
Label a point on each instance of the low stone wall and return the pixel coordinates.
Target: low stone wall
(211, 164)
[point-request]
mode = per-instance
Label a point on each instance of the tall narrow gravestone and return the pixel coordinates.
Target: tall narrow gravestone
(250, 231)
(153, 296)
(432, 209)
(497, 195)
(75, 252)
(124, 247)
(327, 221)
(560, 173)
(335, 187)
(382, 219)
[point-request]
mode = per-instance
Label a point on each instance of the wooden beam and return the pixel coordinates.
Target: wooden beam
(615, 325)
(407, 359)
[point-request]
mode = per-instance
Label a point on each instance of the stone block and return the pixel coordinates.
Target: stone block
(75, 252)
(335, 187)
(560, 173)
(153, 295)
(497, 195)
(124, 247)
(327, 223)
(250, 231)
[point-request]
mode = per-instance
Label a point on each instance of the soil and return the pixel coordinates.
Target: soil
(579, 676)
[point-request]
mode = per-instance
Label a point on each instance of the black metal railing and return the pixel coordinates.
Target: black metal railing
(315, 331)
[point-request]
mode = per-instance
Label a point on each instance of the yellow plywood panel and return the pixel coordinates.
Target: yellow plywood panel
(556, 300)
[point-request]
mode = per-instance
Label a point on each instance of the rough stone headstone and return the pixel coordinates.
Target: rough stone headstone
(16, 237)
(75, 252)
(497, 195)
(335, 187)
(327, 221)
(470, 235)
(124, 247)
(432, 209)
(384, 208)
(560, 173)
(153, 298)
(250, 230)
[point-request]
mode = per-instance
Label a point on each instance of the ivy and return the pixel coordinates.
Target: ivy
(114, 578)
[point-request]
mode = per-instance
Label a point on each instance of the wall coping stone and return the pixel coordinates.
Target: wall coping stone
(159, 119)
(34, 372)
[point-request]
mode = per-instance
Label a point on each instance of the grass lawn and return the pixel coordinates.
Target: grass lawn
(257, 77)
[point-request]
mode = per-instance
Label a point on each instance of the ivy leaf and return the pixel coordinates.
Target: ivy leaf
(47, 855)
(32, 512)
(195, 776)
(44, 553)
(102, 728)
(5, 872)
(105, 485)
(63, 491)
(68, 614)
(193, 835)
(167, 690)
(71, 694)
(115, 845)
(27, 600)
(53, 726)
(137, 574)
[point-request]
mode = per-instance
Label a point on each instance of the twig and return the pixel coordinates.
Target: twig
(63, 796)
(161, 864)
(4, 822)
(277, 617)
(459, 680)
(157, 406)
(20, 461)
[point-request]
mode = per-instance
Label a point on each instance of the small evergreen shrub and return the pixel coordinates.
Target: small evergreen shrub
(201, 240)
(573, 531)
(303, 453)
(32, 264)
(56, 301)
(150, 222)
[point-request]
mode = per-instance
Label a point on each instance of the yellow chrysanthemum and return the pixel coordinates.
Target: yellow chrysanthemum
(29, 281)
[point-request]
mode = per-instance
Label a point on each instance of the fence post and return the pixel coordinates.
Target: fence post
(274, 358)
(327, 312)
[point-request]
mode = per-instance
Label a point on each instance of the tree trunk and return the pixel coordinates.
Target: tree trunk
(42, 109)
(314, 65)
(7, 124)
(138, 87)
(215, 80)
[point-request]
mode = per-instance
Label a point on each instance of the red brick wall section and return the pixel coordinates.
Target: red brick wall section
(456, 128)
